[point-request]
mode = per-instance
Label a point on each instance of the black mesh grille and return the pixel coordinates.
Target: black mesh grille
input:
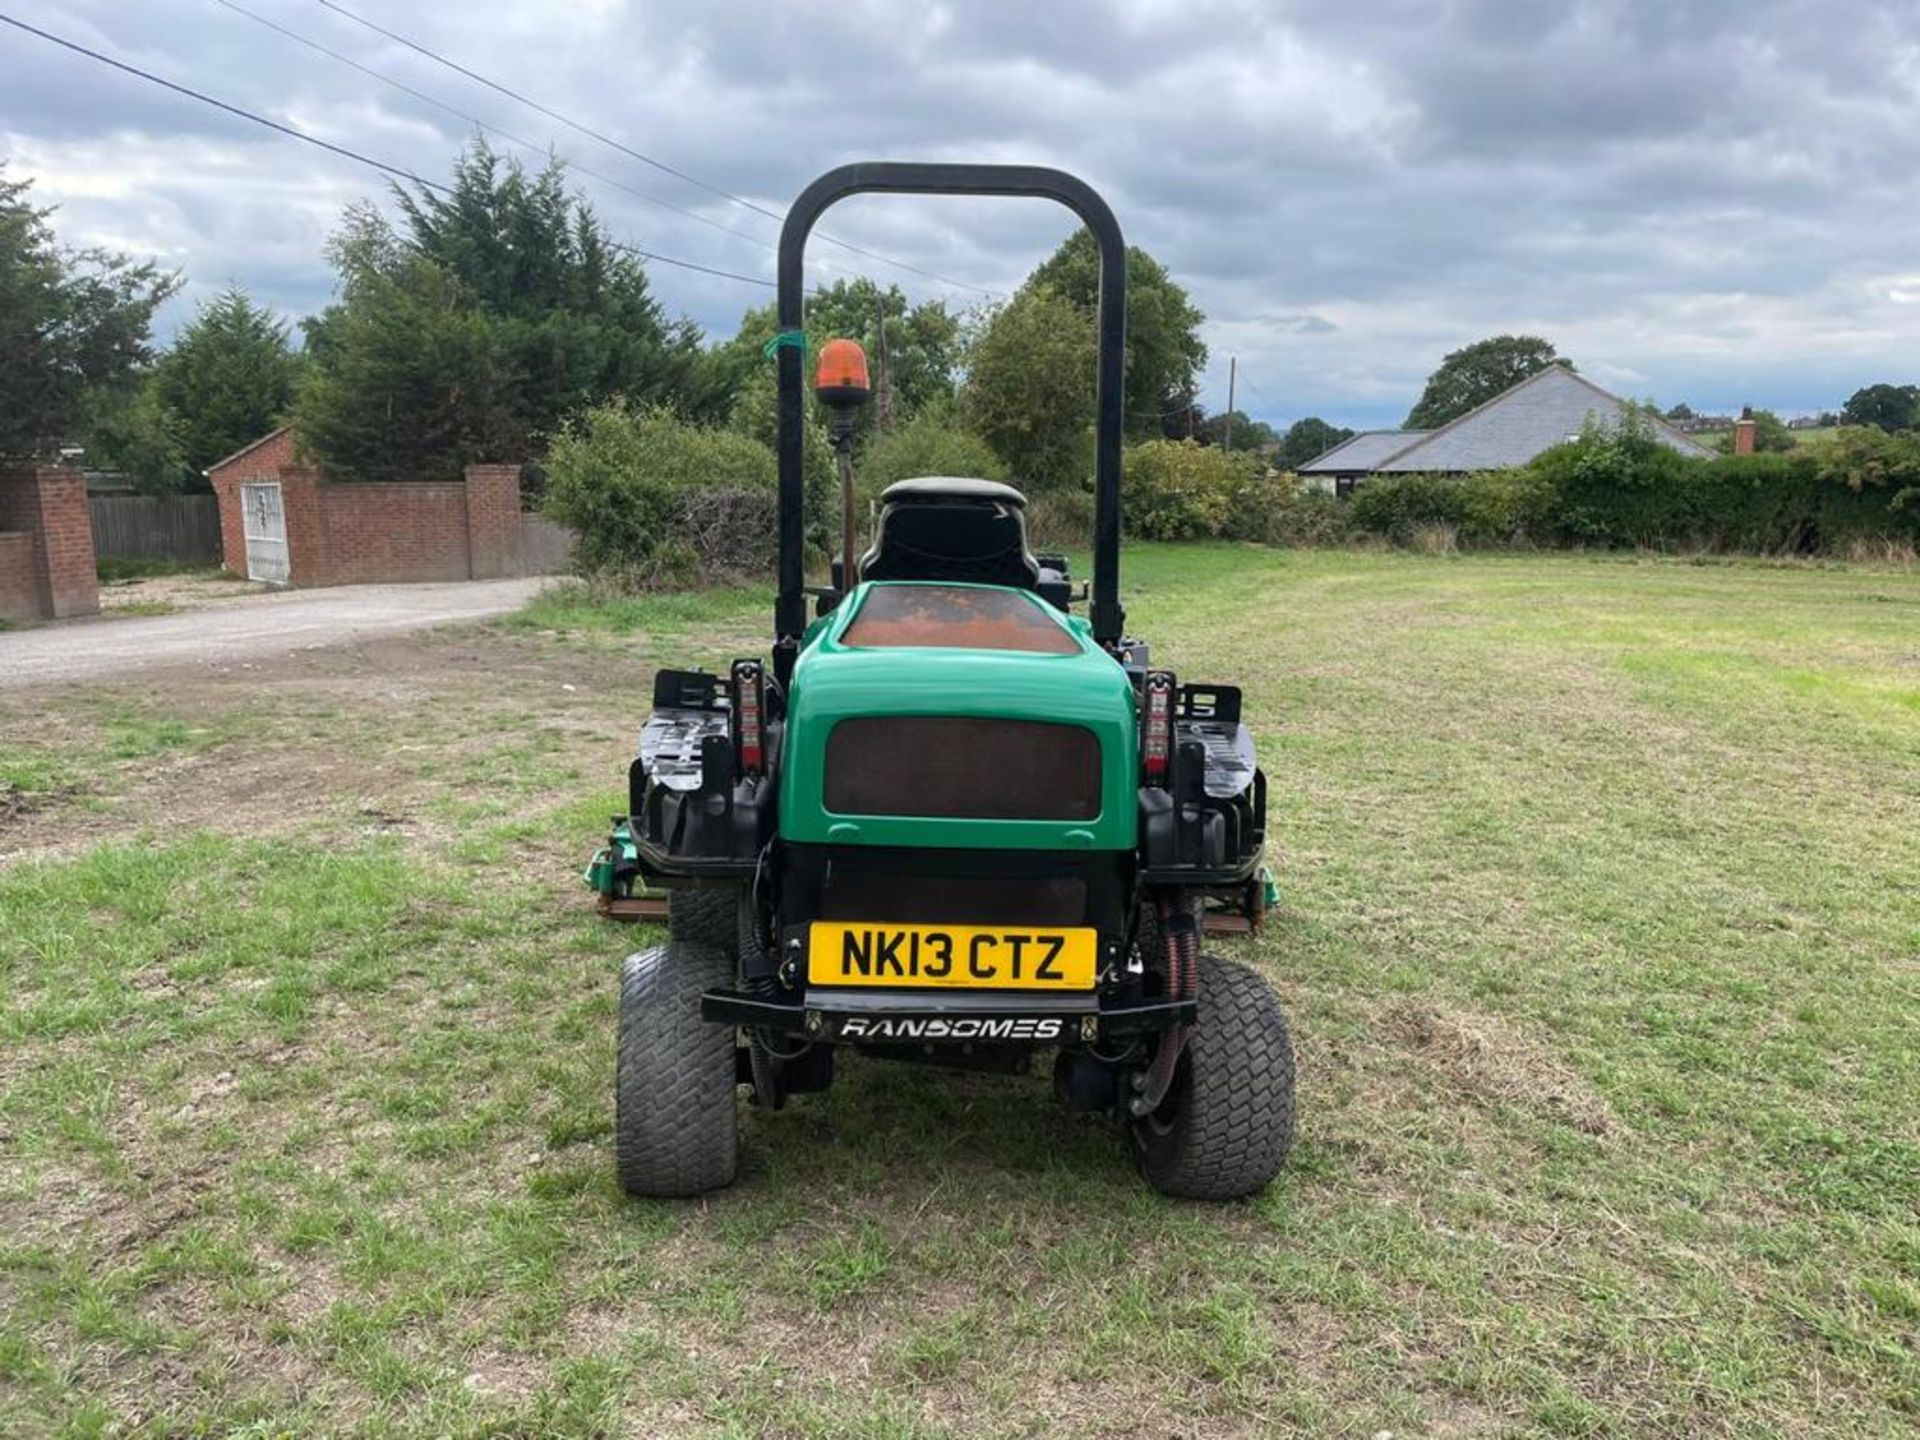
(957, 767)
(954, 899)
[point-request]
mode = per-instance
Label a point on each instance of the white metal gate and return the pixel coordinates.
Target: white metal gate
(266, 530)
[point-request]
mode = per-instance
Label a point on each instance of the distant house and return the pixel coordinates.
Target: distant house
(1357, 457)
(1543, 410)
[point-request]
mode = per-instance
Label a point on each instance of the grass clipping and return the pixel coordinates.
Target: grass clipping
(1483, 1057)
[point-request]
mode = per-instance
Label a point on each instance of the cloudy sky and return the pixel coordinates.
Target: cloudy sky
(1709, 200)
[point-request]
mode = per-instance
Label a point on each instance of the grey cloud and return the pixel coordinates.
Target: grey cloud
(1301, 324)
(1713, 194)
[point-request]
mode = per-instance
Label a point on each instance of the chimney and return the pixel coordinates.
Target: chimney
(1743, 432)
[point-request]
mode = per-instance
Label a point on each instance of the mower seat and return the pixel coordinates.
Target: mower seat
(939, 528)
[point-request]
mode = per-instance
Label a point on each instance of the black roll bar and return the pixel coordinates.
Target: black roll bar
(906, 177)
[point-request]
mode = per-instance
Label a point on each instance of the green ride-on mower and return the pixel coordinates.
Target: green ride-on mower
(951, 822)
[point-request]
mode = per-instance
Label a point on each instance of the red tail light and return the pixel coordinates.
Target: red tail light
(1156, 725)
(749, 715)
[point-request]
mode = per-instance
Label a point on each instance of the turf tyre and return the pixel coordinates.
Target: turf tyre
(1227, 1122)
(676, 1111)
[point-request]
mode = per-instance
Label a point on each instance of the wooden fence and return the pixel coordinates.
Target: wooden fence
(183, 528)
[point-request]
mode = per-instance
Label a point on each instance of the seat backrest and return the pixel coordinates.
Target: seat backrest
(939, 528)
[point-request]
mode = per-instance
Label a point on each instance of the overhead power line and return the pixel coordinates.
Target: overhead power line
(629, 151)
(205, 99)
(474, 120)
(396, 171)
(1247, 380)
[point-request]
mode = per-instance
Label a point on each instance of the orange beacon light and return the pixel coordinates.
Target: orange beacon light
(840, 376)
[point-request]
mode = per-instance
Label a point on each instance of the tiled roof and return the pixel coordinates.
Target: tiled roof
(250, 446)
(1542, 411)
(1360, 454)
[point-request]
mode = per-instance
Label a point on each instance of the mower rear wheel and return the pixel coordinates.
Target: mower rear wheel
(1227, 1121)
(676, 1117)
(705, 917)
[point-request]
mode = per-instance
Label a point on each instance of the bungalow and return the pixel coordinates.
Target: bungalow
(1543, 410)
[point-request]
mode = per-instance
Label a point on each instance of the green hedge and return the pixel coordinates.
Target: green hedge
(1400, 506)
(656, 500)
(1622, 487)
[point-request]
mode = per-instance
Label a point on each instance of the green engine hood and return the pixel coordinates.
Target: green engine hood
(833, 681)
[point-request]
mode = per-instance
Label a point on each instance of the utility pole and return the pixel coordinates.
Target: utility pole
(1233, 371)
(883, 410)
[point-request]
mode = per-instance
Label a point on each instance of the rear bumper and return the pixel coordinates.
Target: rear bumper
(930, 1018)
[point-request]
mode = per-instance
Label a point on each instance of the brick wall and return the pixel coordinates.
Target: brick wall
(19, 584)
(493, 521)
(309, 544)
(48, 504)
(404, 530)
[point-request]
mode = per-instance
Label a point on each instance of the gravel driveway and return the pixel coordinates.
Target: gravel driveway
(247, 627)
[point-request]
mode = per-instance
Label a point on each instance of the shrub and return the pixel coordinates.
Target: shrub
(1504, 507)
(1182, 490)
(1871, 488)
(1308, 519)
(656, 500)
(931, 443)
(1060, 519)
(1397, 506)
(1257, 498)
(1617, 485)
(756, 415)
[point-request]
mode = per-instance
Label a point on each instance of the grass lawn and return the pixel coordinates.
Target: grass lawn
(1600, 934)
(1816, 434)
(1810, 438)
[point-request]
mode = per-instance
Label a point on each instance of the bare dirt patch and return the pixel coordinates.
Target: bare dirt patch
(230, 790)
(374, 737)
(1489, 1058)
(16, 804)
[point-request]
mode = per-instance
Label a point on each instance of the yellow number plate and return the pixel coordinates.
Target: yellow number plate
(983, 957)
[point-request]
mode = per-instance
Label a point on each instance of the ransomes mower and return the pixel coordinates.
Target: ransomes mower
(950, 820)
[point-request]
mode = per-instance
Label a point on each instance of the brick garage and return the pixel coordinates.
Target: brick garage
(46, 545)
(354, 534)
(261, 461)
(19, 594)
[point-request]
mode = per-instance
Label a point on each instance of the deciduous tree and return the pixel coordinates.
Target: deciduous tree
(1030, 388)
(71, 322)
(1476, 373)
(923, 346)
(1890, 407)
(1164, 349)
(1246, 433)
(1308, 439)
